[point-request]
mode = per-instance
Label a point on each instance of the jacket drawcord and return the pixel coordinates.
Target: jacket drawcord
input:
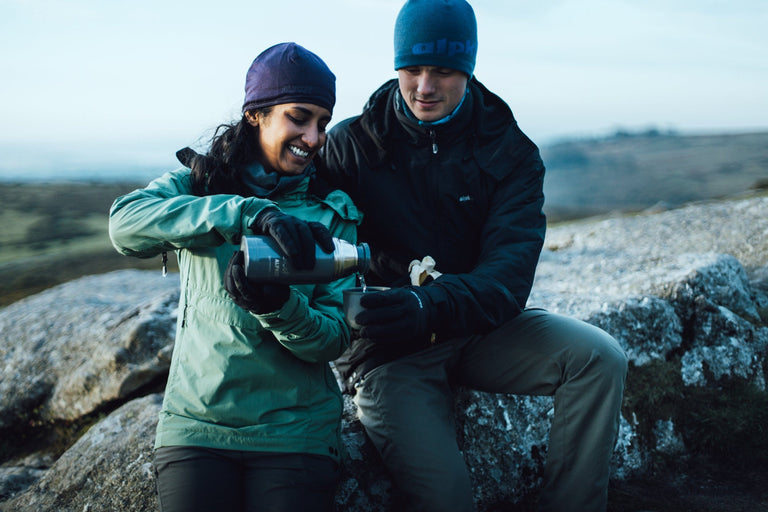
(165, 263)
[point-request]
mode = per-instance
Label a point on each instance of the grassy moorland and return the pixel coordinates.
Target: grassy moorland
(51, 233)
(636, 171)
(55, 232)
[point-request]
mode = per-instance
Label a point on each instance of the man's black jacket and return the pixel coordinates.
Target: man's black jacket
(468, 193)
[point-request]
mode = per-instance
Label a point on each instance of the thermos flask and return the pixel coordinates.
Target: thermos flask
(265, 261)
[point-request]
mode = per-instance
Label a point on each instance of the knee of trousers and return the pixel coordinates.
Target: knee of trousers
(611, 359)
(597, 350)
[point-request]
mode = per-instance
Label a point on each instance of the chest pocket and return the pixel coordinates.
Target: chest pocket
(464, 203)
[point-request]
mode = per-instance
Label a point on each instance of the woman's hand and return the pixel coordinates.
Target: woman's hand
(296, 237)
(259, 298)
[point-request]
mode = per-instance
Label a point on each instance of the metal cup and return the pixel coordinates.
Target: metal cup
(352, 302)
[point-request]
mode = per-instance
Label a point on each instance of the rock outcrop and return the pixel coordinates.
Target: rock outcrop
(684, 291)
(73, 349)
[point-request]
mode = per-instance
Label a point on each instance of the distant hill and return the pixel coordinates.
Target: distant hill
(636, 171)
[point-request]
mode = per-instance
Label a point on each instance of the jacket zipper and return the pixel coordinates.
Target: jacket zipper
(433, 136)
(185, 287)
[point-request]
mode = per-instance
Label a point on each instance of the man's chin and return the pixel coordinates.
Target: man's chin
(430, 119)
(427, 116)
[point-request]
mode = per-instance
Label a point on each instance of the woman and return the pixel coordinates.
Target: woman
(251, 414)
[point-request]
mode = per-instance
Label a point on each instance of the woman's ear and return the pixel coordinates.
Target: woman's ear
(252, 118)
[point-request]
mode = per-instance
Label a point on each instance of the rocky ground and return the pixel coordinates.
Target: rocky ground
(621, 255)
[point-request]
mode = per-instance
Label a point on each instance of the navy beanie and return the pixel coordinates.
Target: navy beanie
(289, 73)
(436, 33)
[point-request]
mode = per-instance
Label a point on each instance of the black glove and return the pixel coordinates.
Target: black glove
(295, 237)
(258, 298)
(395, 314)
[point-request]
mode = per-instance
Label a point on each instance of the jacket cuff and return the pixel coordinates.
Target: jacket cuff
(275, 319)
(437, 303)
(252, 213)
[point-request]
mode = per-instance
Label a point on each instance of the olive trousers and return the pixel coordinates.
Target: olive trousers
(406, 407)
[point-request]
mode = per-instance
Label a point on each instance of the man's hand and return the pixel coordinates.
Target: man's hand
(395, 314)
(295, 237)
(257, 298)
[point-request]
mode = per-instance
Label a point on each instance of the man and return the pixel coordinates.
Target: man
(442, 173)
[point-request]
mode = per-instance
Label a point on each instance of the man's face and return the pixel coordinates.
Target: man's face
(431, 92)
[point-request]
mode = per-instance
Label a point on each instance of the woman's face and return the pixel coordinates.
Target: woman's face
(290, 135)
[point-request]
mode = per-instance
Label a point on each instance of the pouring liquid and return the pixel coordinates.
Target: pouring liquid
(361, 277)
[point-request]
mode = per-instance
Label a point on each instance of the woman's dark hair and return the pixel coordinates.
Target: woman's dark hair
(233, 148)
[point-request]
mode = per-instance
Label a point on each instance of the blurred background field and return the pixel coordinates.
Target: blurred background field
(55, 231)
(634, 171)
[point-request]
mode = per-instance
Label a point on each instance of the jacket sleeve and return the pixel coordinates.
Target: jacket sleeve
(166, 216)
(314, 329)
(497, 288)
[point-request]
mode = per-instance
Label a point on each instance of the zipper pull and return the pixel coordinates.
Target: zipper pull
(165, 263)
(434, 141)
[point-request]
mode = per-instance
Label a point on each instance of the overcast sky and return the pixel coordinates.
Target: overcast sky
(102, 82)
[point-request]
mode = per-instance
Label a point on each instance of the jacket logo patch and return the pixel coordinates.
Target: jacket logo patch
(465, 198)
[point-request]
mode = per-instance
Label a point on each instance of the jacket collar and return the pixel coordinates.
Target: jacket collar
(271, 184)
(497, 142)
(487, 114)
(420, 132)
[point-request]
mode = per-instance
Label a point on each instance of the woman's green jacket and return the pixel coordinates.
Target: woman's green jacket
(239, 380)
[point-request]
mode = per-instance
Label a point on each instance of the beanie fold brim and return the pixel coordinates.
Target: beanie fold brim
(289, 73)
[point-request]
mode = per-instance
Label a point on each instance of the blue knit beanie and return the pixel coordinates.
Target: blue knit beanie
(436, 33)
(289, 73)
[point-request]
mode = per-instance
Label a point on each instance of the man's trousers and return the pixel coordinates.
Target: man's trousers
(406, 407)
